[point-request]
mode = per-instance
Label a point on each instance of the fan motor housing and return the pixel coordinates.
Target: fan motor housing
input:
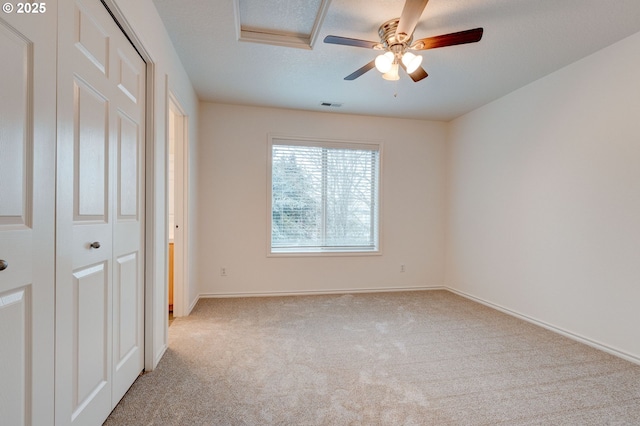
(387, 33)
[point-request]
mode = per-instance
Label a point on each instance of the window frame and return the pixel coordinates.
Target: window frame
(273, 139)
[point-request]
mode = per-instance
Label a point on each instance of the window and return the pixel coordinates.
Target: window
(324, 196)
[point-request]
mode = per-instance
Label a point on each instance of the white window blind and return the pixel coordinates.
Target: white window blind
(324, 196)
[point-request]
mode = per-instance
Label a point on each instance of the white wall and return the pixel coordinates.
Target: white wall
(544, 200)
(143, 19)
(232, 218)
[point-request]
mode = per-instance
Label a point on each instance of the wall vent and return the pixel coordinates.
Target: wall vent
(331, 104)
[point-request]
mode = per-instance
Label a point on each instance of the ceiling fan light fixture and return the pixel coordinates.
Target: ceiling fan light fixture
(396, 37)
(411, 61)
(384, 62)
(392, 74)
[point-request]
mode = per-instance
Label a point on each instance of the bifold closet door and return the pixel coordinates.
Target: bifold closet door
(100, 214)
(27, 212)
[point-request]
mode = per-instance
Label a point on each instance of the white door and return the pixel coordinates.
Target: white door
(100, 212)
(27, 176)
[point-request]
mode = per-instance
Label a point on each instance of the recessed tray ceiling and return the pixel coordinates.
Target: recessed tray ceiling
(292, 24)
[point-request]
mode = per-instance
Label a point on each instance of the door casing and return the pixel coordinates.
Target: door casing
(180, 138)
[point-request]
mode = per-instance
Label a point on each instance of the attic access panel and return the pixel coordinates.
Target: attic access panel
(280, 22)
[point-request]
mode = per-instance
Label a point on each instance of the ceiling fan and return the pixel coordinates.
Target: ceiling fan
(396, 39)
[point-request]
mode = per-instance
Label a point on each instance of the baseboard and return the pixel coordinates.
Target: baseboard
(160, 355)
(317, 292)
(601, 346)
(192, 305)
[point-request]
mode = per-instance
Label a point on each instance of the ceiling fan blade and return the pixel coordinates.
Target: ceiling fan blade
(417, 75)
(361, 71)
(462, 37)
(345, 41)
(409, 19)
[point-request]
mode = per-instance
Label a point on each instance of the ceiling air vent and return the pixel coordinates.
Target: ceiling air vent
(331, 104)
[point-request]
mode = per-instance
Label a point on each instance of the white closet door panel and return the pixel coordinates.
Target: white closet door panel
(91, 334)
(128, 167)
(15, 353)
(91, 177)
(15, 124)
(126, 303)
(27, 176)
(91, 39)
(128, 235)
(100, 213)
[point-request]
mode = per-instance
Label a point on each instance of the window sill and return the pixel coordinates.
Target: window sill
(323, 253)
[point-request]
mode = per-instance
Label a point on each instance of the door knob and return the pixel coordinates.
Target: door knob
(3, 265)
(95, 245)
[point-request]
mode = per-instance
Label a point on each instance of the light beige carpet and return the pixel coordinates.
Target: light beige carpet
(411, 358)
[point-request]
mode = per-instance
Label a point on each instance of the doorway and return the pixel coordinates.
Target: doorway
(177, 207)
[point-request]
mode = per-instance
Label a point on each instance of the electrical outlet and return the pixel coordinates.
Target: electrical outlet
(223, 272)
(401, 268)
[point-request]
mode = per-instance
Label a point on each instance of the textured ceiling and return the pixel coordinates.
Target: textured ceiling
(278, 15)
(523, 41)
